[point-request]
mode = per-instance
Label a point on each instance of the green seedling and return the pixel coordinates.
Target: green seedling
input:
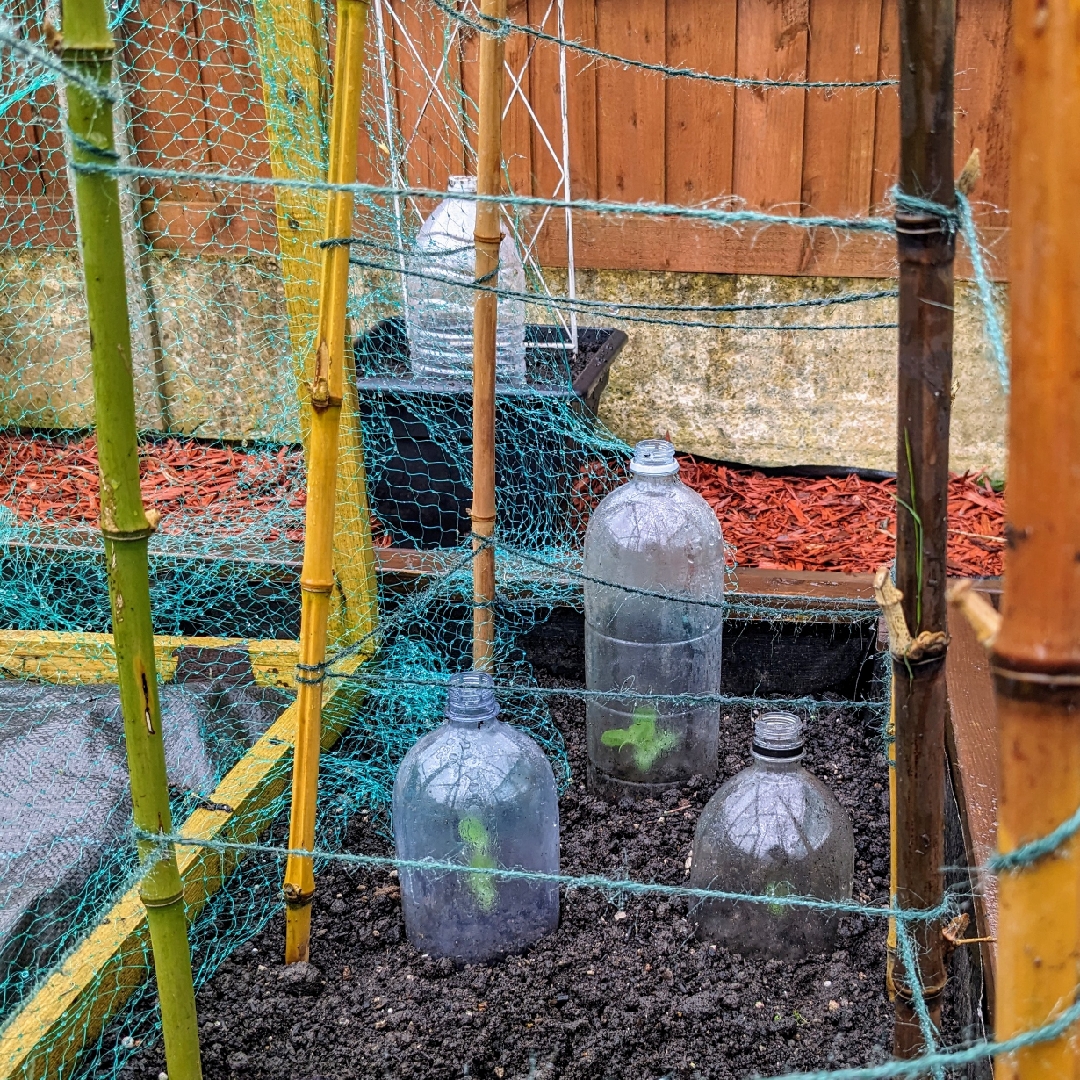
(778, 888)
(478, 849)
(646, 741)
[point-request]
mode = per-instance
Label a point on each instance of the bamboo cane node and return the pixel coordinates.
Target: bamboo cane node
(162, 901)
(1061, 688)
(120, 536)
(322, 588)
(491, 241)
(295, 897)
(930, 994)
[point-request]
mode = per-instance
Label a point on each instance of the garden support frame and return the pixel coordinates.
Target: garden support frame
(925, 249)
(1035, 656)
(86, 46)
(488, 236)
(327, 395)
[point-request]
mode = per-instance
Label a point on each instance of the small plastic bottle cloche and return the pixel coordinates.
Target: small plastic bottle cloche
(773, 829)
(440, 295)
(479, 793)
(648, 540)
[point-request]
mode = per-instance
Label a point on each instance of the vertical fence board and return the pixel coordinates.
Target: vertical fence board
(700, 122)
(580, 25)
(772, 44)
(838, 150)
(887, 109)
(982, 97)
(517, 125)
(428, 67)
(630, 102)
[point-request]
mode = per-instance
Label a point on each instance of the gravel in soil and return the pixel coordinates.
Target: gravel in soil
(621, 990)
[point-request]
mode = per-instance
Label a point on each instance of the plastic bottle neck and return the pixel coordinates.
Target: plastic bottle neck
(470, 700)
(778, 765)
(653, 483)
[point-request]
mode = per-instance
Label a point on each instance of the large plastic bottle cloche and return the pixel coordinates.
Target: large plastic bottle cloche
(481, 794)
(654, 589)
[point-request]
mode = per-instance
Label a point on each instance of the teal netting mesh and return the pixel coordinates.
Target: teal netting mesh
(221, 121)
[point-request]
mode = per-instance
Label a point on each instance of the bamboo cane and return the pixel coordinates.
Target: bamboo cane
(1036, 653)
(925, 247)
(327, 393)
(87, 46)
(488, 236)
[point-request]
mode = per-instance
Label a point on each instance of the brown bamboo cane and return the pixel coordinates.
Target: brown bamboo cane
(327, 393)
(925, 248)
(1036, 652)
(488, 236)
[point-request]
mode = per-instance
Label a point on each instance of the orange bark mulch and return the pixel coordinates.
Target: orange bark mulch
(774, 522)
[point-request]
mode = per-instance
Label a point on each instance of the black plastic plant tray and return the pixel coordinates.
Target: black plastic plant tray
(418, 436)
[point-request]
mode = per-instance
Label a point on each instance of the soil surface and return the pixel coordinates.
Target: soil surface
(621, 990)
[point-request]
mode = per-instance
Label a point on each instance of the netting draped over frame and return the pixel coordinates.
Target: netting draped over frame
(222, 123)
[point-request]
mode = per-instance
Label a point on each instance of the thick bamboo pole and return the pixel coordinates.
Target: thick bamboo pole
(327, 393)
(1036, 654)
(488, 236)
(926, 244)
(87, 47)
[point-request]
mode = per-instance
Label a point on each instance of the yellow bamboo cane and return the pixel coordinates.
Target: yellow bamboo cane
(327, 392)
(1036, 652)
(485, 320)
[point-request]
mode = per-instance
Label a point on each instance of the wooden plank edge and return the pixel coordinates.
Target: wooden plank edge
(71, 1007)
(71, 657)
(970, 686)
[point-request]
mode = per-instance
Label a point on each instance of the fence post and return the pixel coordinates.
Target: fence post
(488, 235)
(1036, 655)
(328, 390)
(87, 48)
(925, 248)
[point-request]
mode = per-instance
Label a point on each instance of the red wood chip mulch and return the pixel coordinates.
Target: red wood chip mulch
(790, 523)
(848, 525)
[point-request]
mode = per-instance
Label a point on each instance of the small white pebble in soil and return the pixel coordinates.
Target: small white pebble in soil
(162, 1076)
(590, 972)
(759, 1004)
(127, 1042)
(827, 983)
(833, 1006)
(262, 967)
(619, 915)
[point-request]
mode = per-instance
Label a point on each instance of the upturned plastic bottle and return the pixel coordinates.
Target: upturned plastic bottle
(440, 311)
(772, 830)
(651, 539)
(479, 793)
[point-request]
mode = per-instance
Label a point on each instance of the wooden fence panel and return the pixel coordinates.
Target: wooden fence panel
(771, 44)
(630, 102)
(838, 153)
(700, 122)
(633, 135)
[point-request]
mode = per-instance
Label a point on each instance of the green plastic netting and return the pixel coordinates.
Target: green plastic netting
(214, 100)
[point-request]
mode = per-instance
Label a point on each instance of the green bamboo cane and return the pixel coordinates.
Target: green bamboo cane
(87, 47)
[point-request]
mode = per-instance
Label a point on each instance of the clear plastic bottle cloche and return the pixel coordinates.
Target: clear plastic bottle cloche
(651, 538)
(440, 270)
(773, 829)
(479, 793)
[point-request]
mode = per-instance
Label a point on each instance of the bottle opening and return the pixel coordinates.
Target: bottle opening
(462, 183)
(471, 698)
(654, 457)
(778, 736)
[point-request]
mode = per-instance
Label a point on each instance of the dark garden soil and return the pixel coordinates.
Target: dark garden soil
(621, 990)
